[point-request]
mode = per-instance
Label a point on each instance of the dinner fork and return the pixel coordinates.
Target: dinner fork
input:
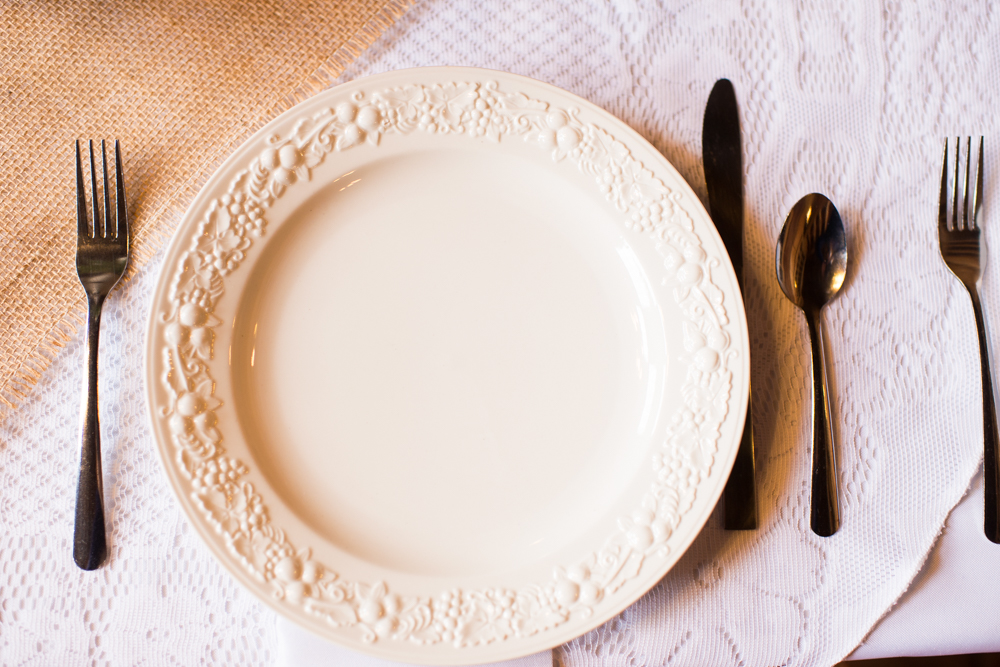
(965, 255)
(101, 259)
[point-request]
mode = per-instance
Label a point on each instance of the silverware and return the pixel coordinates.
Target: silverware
(812, 265)
(965, 256)
(722, 154)
(101, 259)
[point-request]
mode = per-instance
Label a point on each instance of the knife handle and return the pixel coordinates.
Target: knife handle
(741, 489)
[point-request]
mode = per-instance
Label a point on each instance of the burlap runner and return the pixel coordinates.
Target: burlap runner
(180, 83)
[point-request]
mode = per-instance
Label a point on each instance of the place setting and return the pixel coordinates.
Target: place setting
(459, 365)
(388, 417)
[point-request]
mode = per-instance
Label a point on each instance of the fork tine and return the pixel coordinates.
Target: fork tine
(121, 211)
(82, 227)
(943, 202)
(954, 199)
(965, 186)
(98, 232)
(978, 192)
(107, 194)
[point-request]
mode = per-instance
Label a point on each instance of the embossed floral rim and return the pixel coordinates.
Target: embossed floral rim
(233, 507)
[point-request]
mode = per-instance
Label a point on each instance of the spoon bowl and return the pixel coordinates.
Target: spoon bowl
(812, 253)
(812, 264)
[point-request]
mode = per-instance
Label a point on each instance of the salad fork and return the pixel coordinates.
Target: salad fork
(965, 255)
(101, 258)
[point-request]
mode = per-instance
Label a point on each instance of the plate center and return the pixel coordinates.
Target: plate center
(441, 362)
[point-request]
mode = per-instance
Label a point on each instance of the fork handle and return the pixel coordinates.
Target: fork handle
(824, 504)
(991, 451)
(90, 547)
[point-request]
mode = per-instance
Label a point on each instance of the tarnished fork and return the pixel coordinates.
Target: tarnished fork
(965, 254)
(101, 258)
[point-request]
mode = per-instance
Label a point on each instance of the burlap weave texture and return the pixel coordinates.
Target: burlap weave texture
(180, 83)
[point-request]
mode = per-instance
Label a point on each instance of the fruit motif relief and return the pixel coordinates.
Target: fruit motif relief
(236, 510)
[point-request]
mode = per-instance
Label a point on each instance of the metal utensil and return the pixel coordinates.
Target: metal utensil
(812, 265)
(722, 154)
(101, 258)
(965, 256)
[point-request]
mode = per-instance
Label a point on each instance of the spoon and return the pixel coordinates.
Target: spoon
(812, 263)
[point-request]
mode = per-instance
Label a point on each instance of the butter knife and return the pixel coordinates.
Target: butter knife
(722, 154)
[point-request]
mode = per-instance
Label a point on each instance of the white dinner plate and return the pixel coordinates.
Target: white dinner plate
(447, 365)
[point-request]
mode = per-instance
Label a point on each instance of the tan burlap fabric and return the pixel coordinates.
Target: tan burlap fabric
(180, 83)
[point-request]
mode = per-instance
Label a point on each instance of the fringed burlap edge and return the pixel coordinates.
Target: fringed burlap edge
(146, 245)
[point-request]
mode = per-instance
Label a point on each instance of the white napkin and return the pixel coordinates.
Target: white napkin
(952, 605)
(300, 648)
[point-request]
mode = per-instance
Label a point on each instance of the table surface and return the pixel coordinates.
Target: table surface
(852, 101)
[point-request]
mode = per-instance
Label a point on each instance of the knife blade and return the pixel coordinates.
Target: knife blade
(722, 154)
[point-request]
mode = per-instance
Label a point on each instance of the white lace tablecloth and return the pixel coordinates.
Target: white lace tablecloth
(850, 99)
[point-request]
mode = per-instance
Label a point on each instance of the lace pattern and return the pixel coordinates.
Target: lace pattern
(852, 101)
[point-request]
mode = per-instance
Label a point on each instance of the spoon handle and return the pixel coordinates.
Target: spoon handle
(991, 450)
(825, 510)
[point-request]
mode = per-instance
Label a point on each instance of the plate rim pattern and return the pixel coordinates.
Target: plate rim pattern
(234, 508)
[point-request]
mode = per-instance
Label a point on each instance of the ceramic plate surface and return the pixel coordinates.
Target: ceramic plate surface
(447, 365)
